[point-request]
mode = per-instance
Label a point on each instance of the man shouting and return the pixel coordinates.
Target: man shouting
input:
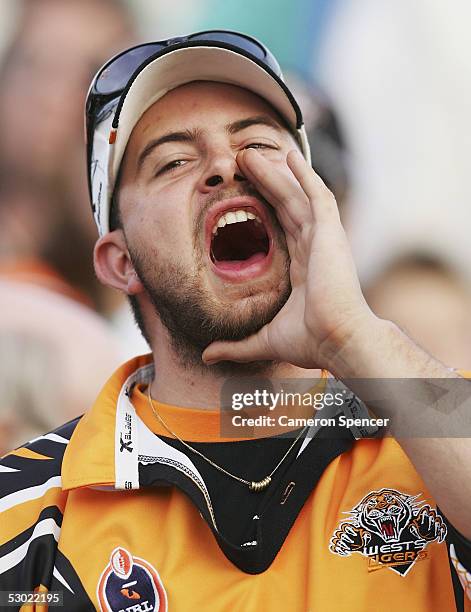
(231, 251)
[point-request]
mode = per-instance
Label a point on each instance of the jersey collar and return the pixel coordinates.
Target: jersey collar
(90, 458)
(111, 439)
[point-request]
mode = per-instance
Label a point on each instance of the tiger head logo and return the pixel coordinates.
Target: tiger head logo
(390, 528)
(386, 513)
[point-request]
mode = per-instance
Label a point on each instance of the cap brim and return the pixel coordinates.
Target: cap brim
(189, 64)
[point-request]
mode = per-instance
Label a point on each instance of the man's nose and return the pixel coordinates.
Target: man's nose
(220, 171)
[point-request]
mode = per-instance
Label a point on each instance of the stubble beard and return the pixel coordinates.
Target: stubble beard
(194, 318)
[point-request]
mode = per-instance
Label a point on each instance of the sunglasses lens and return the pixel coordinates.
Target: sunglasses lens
(232, 38)
(246, 43)
(116, 74)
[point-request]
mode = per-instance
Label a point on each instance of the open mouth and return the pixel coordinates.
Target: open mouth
(239, 240)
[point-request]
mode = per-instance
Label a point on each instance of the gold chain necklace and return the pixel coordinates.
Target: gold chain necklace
(254, 486)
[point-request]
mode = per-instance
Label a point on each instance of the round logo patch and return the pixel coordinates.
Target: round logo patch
(130, 584)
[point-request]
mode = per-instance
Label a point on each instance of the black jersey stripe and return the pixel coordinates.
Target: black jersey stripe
(46, 530)
(76, 598)
(21, 473)
(461, 552)
(50, 512)
(27, 494)
(26, 476)
(457, 586)
(64, 431)
(50, 445)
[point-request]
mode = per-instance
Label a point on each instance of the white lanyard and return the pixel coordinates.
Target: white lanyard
(126, 443)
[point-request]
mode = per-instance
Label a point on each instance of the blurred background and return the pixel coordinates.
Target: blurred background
(385, 87)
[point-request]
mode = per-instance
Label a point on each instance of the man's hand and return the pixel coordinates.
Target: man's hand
(326, 323)
(326, 304)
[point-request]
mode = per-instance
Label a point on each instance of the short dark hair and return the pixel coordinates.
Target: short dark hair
(115, 213)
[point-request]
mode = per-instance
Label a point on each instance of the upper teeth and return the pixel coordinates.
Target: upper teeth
(234, 216)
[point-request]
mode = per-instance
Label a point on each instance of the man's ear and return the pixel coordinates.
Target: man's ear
(113, 265)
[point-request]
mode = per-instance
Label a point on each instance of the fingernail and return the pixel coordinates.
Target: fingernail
(208, 361)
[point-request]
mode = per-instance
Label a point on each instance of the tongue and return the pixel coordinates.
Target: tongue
(239, 264)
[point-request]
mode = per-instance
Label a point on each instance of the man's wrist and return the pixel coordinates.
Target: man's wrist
(342, 349)
(378, 348)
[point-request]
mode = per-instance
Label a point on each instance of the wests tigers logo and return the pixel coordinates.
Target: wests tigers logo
(390, 528)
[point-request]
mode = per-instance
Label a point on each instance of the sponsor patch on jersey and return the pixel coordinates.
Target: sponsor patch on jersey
(391, 529)
(130, 584)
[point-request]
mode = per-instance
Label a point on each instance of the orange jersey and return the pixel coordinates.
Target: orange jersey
(121, 519)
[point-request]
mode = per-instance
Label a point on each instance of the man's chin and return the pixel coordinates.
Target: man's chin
(247, 301)
(251, 307)
(229, 321)
(246, 314)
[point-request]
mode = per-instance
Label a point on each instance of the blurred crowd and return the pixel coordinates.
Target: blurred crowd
(58, 343)
(62, 333)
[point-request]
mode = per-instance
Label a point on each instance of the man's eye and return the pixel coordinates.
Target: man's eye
(259, 145)
(176, 163)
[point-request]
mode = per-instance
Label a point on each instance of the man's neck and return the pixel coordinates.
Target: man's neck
(180, 384)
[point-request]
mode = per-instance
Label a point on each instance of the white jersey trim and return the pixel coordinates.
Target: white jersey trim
(45, 527)
(23, 495)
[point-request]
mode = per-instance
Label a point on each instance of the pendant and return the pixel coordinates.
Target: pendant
(261, 485)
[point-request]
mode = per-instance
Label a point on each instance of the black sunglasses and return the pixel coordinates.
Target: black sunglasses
(114, 75)
(112, 79)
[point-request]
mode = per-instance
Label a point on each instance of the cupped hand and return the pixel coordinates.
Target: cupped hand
(326, 303)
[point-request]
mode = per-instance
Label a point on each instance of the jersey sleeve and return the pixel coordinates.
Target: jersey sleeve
(31, 509)
(459, 550)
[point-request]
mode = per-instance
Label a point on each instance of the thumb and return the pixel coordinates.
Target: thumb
(253, 348)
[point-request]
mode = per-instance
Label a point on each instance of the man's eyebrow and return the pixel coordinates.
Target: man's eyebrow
(242, 124)
(184, 136)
